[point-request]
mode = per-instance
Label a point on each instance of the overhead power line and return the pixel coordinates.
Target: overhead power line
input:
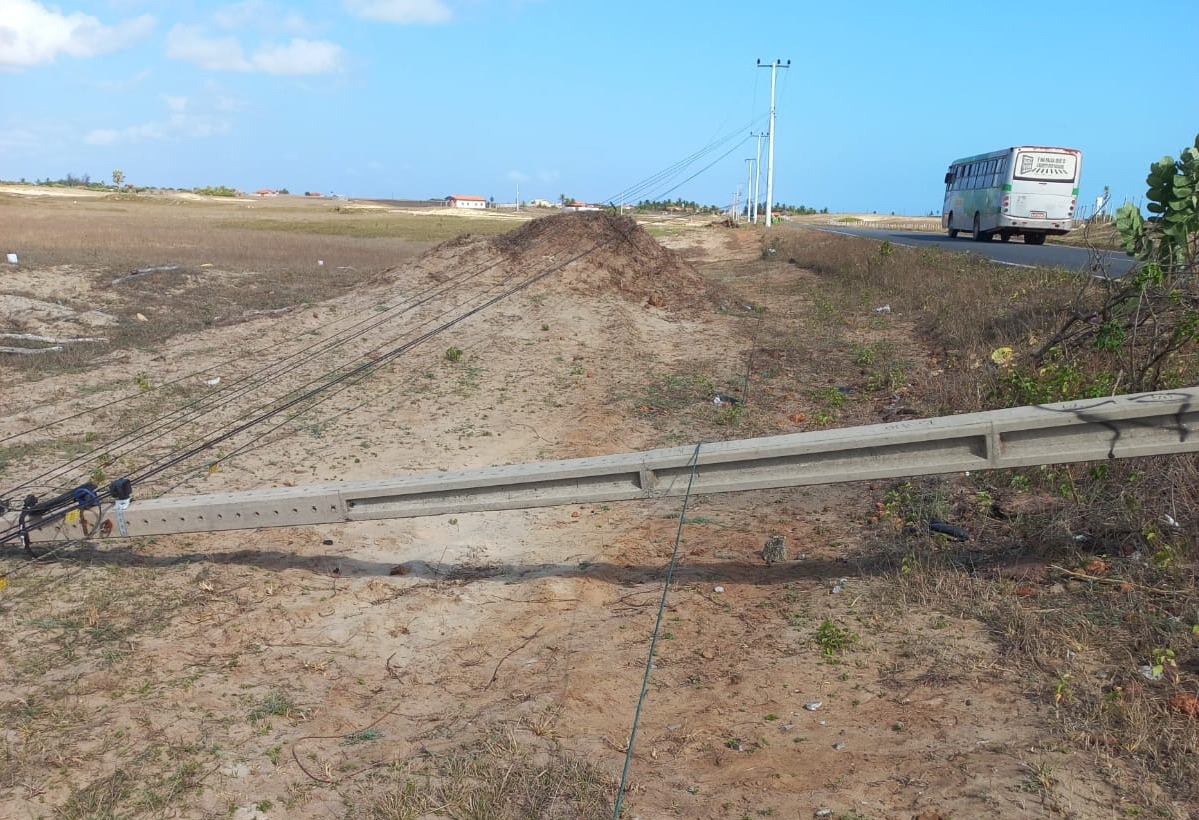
(224, 401)
(325, 389)
(655, 186)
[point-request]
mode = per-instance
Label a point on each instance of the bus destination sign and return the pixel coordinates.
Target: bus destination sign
(1045, 166)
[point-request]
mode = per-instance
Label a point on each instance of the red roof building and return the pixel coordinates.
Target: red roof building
(466, 201)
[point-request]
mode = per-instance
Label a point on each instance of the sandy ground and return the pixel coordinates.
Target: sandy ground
(435, 634)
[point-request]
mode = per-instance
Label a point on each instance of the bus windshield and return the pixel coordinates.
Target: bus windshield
(1037, 166)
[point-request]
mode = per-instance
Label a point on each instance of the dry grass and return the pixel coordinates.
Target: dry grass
(495, 777)
(1100, 234)
(70, 651)
(226, 260)
(1077, 633)
(963, 304)
(115, 235)
(1083, 573)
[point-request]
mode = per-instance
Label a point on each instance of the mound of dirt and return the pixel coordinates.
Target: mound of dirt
(588, 253)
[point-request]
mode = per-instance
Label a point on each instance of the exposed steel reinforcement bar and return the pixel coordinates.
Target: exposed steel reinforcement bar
(1119, 427)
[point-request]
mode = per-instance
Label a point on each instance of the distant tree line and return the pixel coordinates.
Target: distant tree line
(796, 210)
(690, 206)
(117, 184)
(685, 205)
(215, 190)
(69, 181)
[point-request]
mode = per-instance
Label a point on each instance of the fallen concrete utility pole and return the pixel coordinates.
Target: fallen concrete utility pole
(1119, 427)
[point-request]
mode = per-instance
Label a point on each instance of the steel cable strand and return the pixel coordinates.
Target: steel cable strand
(672, 169)
(154, 389)
(51, 518)
(373, 398)
(655, 179)
(372, 365)
(250, 446)
(653, 643)
(326, 379)
(702, 170)
(220, 398)
(662, 176)
(226, 398)
(131, 439)
(429, 295)
(103, 494)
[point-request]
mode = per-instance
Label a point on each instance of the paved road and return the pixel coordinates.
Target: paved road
(1114, 263)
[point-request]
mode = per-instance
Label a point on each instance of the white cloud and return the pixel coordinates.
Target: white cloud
(226, 104)
(32, 33)
(518, 176)
(298, 56)
(216, 54)
(16, 140)
(123, 85)
(261, 15)
(180, 122)
(404, 12)
(134, 133)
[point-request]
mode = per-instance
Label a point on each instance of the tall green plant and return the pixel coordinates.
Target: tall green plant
(1144, 324)
(1170, 237)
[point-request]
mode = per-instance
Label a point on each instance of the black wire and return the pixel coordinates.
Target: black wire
(127, 441)
(331, 377)
(248, 383)
(676, 168)
(641, 189)
(441, 287)
(705, 168)
(181, 415)
(363, 369)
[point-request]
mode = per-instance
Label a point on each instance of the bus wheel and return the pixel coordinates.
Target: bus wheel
(1034, 239)
(979, 236)
(1005, 236)
(953, 232)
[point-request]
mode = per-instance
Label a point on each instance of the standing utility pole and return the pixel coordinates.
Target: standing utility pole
(774, 67)
(749, 184)
(757, 176)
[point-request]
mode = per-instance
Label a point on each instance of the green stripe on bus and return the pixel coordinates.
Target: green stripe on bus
(1008, 187)
(1074, 192)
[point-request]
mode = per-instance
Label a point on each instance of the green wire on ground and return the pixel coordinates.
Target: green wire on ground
(653, 643)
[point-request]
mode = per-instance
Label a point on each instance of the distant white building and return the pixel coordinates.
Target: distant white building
(466, 202)
(539, 203)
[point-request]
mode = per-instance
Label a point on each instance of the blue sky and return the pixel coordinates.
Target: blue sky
(426, 98)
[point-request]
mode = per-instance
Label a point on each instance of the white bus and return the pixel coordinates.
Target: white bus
(1028, 191)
